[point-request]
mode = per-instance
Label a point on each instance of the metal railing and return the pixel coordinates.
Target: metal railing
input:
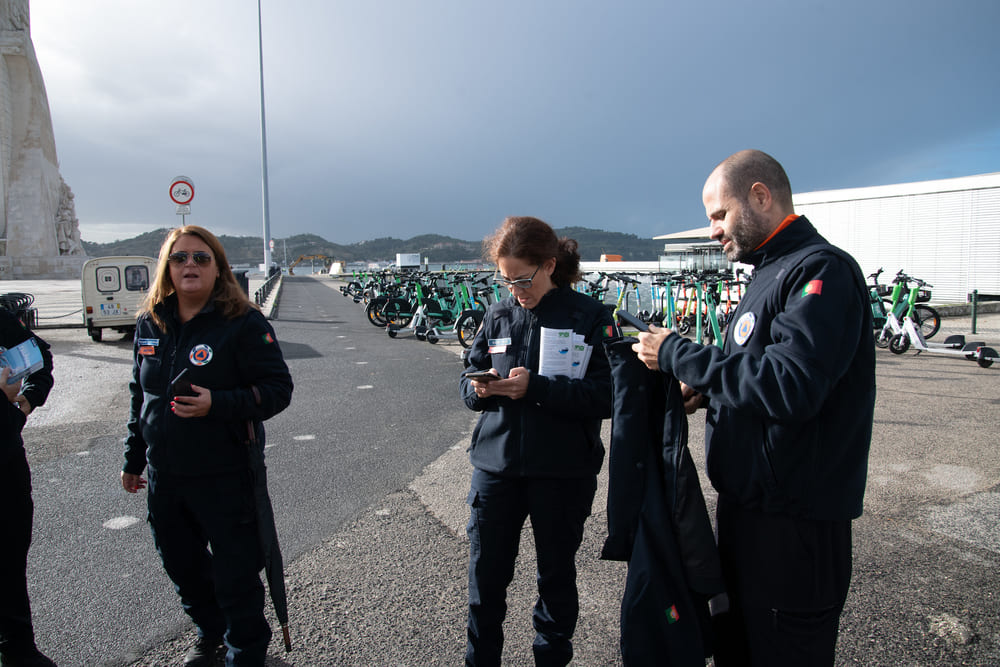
(264, 291)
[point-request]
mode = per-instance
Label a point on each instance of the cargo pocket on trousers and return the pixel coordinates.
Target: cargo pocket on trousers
(472, 528)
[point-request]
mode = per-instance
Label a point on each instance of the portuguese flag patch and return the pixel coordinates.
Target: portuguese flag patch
(672, 615)
(813, 287)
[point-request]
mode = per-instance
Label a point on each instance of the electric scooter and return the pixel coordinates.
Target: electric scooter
(954, 345)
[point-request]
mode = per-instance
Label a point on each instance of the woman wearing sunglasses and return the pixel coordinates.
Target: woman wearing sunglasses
(536, 450)
(207, 372)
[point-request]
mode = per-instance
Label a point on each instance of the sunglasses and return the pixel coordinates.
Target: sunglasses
(200, 257)
(522, 283)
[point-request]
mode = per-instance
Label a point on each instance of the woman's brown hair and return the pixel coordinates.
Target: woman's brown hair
(227, 294)
(534, 241)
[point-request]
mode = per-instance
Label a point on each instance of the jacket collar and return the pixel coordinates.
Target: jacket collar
(549, 298)
(167, 309)
(792, 235)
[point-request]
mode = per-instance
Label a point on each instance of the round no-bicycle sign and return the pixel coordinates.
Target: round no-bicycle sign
(181, 190)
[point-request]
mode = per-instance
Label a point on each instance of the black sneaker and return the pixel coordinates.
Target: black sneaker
(33, 659)
(204, 653)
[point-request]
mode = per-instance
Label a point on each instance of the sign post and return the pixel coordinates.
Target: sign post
(181, 193)
(263, 147)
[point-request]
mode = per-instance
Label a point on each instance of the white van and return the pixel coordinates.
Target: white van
(113, 288)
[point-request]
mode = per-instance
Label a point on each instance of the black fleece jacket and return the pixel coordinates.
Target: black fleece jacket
(554, 430)
(237, 359)
(792, 393)
(35, 387)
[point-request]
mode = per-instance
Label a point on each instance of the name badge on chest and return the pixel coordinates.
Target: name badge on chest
(147, 346)
(498, 345)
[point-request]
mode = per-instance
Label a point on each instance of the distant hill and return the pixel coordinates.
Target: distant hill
(594, 243)
(249, 249)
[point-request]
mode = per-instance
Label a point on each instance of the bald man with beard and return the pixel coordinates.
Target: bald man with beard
(789, 403)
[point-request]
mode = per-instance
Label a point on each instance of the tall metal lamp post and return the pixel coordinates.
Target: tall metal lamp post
(263, 147)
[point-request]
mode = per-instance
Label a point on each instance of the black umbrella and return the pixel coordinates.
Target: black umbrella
(274, 567)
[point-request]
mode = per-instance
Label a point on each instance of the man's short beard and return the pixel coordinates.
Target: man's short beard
(748, 234)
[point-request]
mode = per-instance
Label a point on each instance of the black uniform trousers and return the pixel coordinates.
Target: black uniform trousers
(205, 531)
(787, 579)
(16, 510)
(558, 509)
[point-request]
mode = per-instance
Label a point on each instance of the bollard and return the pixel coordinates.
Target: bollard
(975, 308)
(243, 280)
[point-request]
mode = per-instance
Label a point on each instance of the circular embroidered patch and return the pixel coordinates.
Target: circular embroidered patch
(200, 355)
(744, 327)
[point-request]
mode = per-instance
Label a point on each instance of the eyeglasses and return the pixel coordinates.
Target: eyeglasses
(200, 257)
(523, 283)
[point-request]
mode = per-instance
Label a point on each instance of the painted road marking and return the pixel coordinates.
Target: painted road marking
(120, 522)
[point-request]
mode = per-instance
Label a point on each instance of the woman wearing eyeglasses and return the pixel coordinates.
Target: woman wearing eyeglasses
(196, 435)
(536, 450)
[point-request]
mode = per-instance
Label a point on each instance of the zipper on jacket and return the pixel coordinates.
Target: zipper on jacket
(179, 328)
(532, 322)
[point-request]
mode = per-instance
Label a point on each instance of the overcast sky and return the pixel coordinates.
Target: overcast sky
(404, 117)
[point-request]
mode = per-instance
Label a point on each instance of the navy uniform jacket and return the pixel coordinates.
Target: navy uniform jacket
(555, 429)
(792, 393)
(237, 359)
(35, 387)
(657, 520)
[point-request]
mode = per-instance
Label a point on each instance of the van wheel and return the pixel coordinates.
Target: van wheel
(95, 334)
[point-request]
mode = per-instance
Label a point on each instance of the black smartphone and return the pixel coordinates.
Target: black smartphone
(181, 386)
(482, 376)
(633, 321)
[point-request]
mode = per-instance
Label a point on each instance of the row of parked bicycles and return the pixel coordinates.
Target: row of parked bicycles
(902, 318)
(434, 306)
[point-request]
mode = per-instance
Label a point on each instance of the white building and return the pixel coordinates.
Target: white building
(946, 232)
(692, 250)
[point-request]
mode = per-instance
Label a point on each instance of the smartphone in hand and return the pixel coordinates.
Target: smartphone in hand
(181, 386)
(633, 321)
(482, 376)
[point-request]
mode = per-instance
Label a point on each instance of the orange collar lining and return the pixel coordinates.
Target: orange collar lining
(784, 223)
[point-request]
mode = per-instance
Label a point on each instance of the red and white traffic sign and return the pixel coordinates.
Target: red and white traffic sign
(181, 190)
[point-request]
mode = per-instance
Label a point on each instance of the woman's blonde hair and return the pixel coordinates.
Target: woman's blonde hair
(227, 294)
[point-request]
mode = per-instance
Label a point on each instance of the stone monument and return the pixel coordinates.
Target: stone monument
(39, 231)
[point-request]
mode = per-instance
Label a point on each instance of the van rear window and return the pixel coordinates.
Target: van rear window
(108, 279)
(136, 278)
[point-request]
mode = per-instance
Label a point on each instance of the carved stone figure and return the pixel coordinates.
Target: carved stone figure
(67, 226)
(39, 231)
